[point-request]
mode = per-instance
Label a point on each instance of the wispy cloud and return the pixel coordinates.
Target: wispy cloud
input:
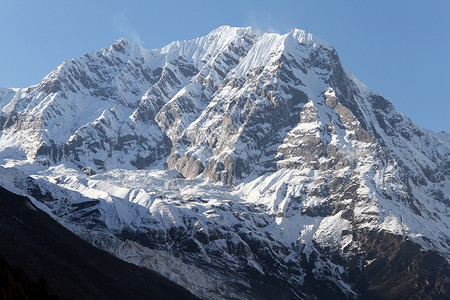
(267, 22)
(124, 27)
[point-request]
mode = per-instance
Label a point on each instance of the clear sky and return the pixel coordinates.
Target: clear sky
(401, 48)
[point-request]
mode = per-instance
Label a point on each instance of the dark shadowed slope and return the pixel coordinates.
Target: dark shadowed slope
(72, 268)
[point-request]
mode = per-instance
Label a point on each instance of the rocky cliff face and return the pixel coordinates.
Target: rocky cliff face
(241, 164)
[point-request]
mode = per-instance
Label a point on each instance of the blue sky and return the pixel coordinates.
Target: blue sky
(400, 48)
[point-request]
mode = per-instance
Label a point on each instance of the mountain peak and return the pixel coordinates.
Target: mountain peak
(125, 42)
(230, 30)
(305, 37)
(125, 47)
(301, 35)
(120, 45)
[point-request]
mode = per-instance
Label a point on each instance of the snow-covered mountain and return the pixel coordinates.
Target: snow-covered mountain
(241, 164)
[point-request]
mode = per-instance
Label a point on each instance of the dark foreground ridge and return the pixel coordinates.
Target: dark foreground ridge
(72, 269)
(16, 284)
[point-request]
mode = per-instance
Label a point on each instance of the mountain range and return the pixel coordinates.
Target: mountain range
(240, 165)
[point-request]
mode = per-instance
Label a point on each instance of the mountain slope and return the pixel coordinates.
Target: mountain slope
(72, 267)
(232, 162)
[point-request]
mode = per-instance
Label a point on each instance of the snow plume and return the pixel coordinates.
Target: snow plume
(263, 22)
(123, 26)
